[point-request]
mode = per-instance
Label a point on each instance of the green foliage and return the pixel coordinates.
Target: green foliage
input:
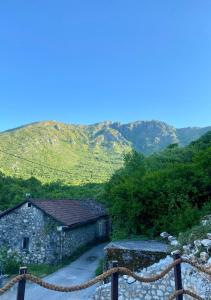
(145, 196)
(195, 233)
(42, 270)
(167, 191)
(119, 233)
(99, 269)
(85, 154)
(9, 261)
(13, 190)
(51, 152)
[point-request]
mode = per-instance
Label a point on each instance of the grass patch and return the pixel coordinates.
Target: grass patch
(42, 270)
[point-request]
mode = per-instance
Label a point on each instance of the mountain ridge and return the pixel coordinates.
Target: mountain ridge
(91, 153)
(106, 122)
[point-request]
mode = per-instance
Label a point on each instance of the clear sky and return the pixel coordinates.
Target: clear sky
(84, 61)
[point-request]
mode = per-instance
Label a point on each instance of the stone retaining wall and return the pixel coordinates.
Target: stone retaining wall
(129, 289)
(135, 255)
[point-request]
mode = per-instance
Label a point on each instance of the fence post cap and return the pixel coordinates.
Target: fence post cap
(114, 263)
(176, 253)
(22, 270)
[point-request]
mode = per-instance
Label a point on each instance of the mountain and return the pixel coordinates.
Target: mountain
(77, 154)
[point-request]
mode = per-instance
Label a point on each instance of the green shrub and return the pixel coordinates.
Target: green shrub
(9, 261)
(195, 233)
(119, 233)
(168, 191)
(99, 269)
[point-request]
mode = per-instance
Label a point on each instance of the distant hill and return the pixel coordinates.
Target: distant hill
(77, 154)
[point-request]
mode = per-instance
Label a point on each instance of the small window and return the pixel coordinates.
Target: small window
(26, 243)
(29, 204)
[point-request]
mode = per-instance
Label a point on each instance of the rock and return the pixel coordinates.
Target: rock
(171, 238)
(159, 293)
(175, 252)
(174, 243)
(164, 234)
(185, 256)
(192, 257)
(209, 236)
(186, 249)
(130, 280)
(209, 261)
(206, 243)
(204, 256)
(204, 222)
(197, 243)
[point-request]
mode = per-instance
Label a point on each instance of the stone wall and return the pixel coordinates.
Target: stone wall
(21, 223)
(129, 289)
(46, 243)
(77, 237)
(135, 255)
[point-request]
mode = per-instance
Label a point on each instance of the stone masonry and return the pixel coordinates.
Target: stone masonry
(47, 240)
(135, 255)
(129, 289)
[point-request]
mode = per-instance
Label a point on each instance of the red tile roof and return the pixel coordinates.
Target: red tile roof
(71, 212)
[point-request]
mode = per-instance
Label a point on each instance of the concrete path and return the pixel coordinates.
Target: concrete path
(77, 272)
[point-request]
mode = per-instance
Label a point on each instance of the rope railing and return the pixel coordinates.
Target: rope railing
(116, 270)
(184, 292)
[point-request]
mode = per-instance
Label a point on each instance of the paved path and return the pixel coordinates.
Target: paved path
(77, 272)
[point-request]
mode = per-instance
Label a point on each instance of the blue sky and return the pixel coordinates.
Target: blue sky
(80, 61)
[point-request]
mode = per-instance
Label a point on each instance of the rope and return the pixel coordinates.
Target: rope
(120, 270)
(185, 292)
(197, 266)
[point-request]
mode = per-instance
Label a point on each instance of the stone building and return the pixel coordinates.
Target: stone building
(45, 231)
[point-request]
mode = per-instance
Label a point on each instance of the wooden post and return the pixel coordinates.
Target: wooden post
(177, 275)
(114, 282)
(21, 284)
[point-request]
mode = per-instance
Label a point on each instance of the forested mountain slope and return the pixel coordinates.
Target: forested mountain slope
(78, 154)
(166, 191)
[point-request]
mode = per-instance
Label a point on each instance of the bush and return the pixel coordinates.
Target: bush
(99, 269)
(168, 191)
(195, 233)
(9, 261)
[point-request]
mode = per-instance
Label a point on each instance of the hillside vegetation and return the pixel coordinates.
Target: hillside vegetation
(168, 191)
(13, 190)
(77, 154)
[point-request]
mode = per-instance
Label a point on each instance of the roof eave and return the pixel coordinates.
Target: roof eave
(87, 222)
(59, 221)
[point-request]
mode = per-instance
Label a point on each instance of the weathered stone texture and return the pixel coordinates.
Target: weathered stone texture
(46, 243)
(24, 222)
(135, 255)
(161, 289)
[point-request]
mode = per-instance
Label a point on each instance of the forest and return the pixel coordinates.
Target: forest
(169, 190)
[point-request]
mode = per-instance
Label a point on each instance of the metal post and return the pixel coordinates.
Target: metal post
(21, 284)
(177, 275)
(114, 282)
